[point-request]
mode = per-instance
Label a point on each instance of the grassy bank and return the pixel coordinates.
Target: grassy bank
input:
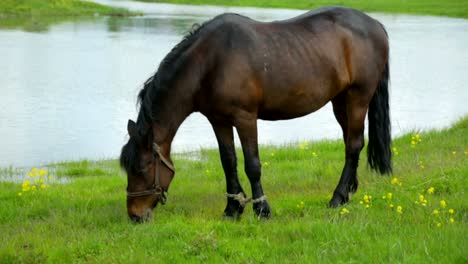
(38, 15)
(61, 8)
(452, 8)
(418, 215)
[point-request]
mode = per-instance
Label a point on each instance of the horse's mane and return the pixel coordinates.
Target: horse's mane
(156, 86)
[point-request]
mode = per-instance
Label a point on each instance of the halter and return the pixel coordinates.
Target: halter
(156, 187)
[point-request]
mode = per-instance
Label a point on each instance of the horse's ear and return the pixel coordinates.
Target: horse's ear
(132, 129)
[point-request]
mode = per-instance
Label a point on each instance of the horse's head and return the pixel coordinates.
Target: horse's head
(149, 173)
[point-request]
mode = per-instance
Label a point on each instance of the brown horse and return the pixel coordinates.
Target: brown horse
(235, 70)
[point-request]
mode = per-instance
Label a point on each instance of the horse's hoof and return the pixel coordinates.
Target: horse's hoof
(262, 210)
(233, 211)
(338, 200)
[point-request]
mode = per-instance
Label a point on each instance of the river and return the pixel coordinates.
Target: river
(68, 90)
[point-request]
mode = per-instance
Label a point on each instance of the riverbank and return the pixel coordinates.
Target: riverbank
(419, 214)
(57, 8)
(450, 8)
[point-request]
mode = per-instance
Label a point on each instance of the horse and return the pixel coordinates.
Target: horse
(235, 70)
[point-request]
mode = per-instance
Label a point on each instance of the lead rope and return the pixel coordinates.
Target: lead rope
(243, 199)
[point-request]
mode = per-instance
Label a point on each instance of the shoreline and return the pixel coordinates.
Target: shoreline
(196, 155)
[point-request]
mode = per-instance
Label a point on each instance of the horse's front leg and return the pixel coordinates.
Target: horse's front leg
(247, 130)
(235, 193)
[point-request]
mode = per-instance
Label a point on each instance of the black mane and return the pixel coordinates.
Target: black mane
(154, 87)
(158, 84)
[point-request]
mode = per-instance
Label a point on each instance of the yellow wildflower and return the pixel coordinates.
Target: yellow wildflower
(272, 154)
(389, 195)
(42, 172)
(361, 202)
(452, 220)
(391, 205)
(43, 186)
(439, 224)
(344, 211)
(300, 205)
(399, 209)
(366, 198)
(33, 187)
(20, 193)
(50, 177)
(304, 145)
(454, 152)
(266, 164)
(394, 180)
(421, 198)
(430, 190)
(443, 204)
(435, 212)
(395, 151)
(314, 154)
(367, 206)
(451, 211)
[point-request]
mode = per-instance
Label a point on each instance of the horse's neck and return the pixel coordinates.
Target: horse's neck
(175, 108)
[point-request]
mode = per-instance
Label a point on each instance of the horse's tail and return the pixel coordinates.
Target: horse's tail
(379, 153)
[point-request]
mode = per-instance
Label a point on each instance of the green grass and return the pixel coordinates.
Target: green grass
(61, 8)
(452, 8)
(38, 15)
(85, 219)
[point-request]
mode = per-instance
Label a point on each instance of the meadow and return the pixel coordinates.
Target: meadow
(75, 211)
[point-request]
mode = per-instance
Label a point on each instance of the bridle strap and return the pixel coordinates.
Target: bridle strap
(156, 187)
(157, 150)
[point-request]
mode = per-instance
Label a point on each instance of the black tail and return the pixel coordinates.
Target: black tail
(379, 153)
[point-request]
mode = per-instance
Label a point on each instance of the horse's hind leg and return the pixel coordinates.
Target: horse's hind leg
(247, 130)
(353, 130)
(224, 135)
(339, 109)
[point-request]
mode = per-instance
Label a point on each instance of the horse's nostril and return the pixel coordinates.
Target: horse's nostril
(135, 218)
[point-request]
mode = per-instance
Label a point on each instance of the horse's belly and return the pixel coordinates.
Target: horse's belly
(290, 109)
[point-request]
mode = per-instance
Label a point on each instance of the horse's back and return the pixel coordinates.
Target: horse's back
(285, 69)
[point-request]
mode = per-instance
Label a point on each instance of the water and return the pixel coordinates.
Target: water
(68, 90)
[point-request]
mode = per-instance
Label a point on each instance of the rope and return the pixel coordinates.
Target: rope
(243, 200)
(259, 199)
(240, 197)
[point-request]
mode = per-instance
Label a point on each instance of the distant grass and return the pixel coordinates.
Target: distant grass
(38, 15)
(85, 220)
(451, 8)
(61, 8)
